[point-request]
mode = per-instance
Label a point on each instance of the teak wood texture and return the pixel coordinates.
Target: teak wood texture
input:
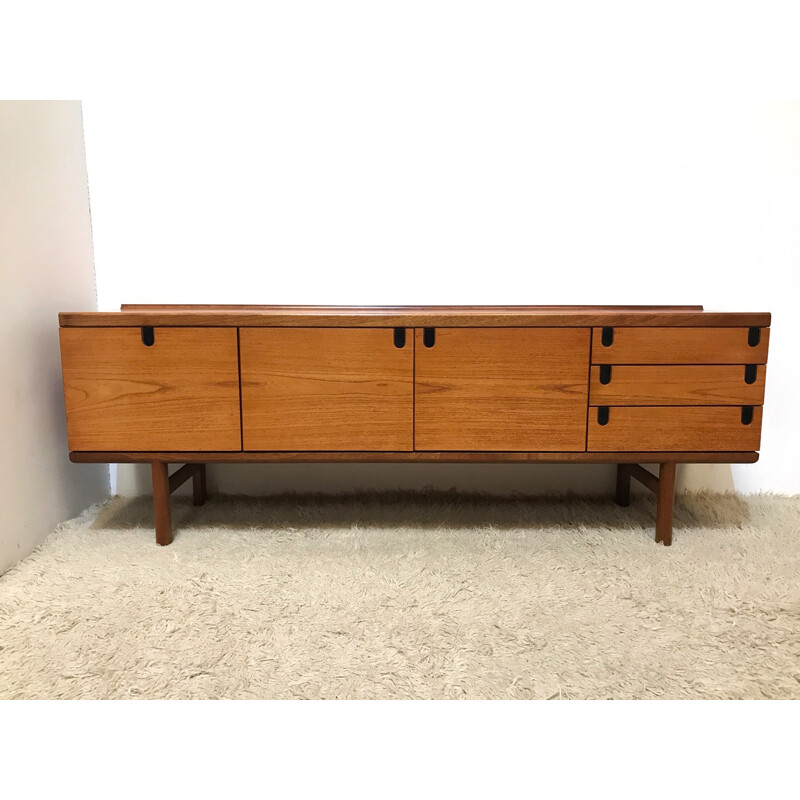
(674, 428)
(677, 385)
(327, 389)
(415, 457)
(501, 389)
(679, 346)
(180, 393)
(628, 385)
(411, 316)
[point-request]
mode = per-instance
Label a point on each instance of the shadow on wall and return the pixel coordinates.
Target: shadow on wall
(47, 266)
(427, 510)
(530, 479)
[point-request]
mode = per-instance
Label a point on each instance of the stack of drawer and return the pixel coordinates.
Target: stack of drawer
(676, 389)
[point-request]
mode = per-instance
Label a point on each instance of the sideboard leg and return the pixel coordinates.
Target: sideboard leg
(161, 502)
(666, 499)
(623, 497)
(199, 485)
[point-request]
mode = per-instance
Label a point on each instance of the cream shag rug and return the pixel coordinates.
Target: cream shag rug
(426, 595)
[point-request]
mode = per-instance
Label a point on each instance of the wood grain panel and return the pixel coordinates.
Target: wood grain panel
(679, 346)
(182, 393)
(452, 457)
(674, 428)
(502, 389)
(310, 310)
(326, 389)
(677, 386)
(391, 316)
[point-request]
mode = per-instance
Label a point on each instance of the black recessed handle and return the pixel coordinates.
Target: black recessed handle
(602, 415)
(747, 415)
(429, 337)
(754, 337)
(605, 374)
(750, 372)
(607, 337)
(400, 337)
(148, 335)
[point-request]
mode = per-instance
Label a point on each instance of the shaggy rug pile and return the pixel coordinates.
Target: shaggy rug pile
(426, 595)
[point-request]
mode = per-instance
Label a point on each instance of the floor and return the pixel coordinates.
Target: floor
(410, 595)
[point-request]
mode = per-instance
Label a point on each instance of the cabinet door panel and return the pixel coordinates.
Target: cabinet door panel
(181, 393)
(675, 428)
(326, 389)
(503, 389)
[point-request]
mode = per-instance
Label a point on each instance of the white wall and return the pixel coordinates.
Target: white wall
(415, 165)
(46, 267)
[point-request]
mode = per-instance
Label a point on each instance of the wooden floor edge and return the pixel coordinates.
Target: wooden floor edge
(237, 457)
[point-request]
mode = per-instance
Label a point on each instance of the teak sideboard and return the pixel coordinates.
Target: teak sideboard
(624, 385)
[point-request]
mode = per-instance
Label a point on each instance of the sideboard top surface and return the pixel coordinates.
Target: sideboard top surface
(410, 316)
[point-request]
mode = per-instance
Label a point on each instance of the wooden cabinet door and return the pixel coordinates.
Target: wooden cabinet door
(327, 389)
(502, 389)
(179, 393)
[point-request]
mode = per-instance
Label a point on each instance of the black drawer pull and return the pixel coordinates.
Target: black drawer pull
(750, 371)
(605, 374)
(400, 337)
(148, 335)
(747, 415)
(429, 337)
(754, 337)
(602, 415)
(607, 337)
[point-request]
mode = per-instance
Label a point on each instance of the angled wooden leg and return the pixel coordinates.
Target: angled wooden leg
(623, 496)
(663, 487)
(161, 502)
(199, 485)
(666, 498)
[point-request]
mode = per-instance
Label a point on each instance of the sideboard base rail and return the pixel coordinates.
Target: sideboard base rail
(662, 486)
(414, 456)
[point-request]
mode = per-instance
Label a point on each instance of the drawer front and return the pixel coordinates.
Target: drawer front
(681, 385)
(336, 389)
(502, 389)
(674, 428)
(180, 393)
(679, 346)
